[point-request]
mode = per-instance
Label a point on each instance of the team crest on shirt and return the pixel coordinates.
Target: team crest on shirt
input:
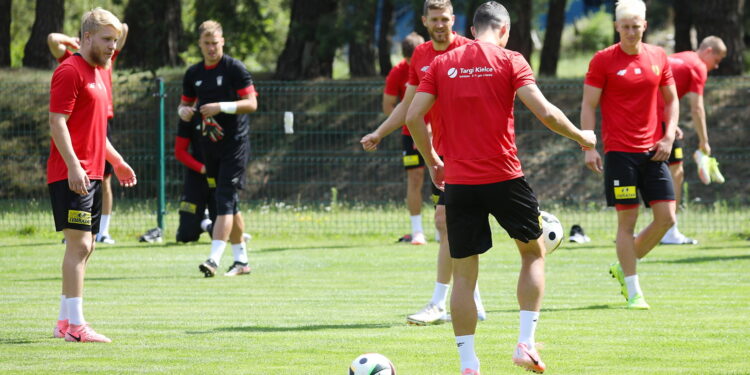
(655, 69)
(425, 68)
(198, 83)
(218, 80)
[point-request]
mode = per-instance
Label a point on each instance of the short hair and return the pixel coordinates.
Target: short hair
(715, 43)
(436, 4)
(97, 18)
(630, 8)
(410, 43)
(209, 27)
(491, 15)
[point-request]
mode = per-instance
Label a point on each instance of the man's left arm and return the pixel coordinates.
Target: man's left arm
(123, 171)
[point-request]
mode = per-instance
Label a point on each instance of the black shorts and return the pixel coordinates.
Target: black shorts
(73, 211)
(412, 158)
(628, 174)
(438, 196)
(676, 155)
(226, 163)
(467, 207)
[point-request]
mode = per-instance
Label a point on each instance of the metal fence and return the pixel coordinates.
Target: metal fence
(319, 181)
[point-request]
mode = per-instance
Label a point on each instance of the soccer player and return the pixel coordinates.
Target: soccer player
(79, 106)
(690, 70)
(475, 86)
(225, 95)
(438, 18)
(395, 86)
(59, 45)
(197, 195)
(625, 79)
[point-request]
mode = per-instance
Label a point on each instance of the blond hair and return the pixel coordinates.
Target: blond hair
(437, 4)
(97, 18)
(630, 9)
(715, 43)
(209, 27)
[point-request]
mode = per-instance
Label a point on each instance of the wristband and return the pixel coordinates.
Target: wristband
(228, 107)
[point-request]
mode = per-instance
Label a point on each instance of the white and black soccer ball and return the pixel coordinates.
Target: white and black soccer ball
(552, 231)
(372, 364)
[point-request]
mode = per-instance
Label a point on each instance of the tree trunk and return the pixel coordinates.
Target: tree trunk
(418, 6)
(49, 17)
(520, 30)
(156, 27)
(311, 43)
(471, 7)
(683, 23)
(723, 18)
(384, 39)
(552, 35)
(5, 7)
(361, 34)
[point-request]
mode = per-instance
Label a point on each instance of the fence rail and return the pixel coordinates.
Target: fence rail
(318, 179)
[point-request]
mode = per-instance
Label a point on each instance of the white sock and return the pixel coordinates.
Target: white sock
(63, 315)
(634, 287)
(217, 250)
(204, 224)
(104, 225)
(240, 252)
(478, 298)
(440, 294)
(75, 310)
(416, 224)
(528, 327)
(466, 352)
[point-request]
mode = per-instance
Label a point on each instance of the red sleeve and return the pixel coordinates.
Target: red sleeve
(249, 90)
(596, 76)
(181, 153)
(413, 77)
(429, 83)
(188, 99)
(666, 75)
(698, 78)
(63, 90)
(64, 56)
(523, 75)
(391, 83)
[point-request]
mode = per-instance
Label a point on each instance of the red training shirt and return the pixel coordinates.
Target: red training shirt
(475, 86)
(690, 75)
(420, 64)
(79, 90)
(107, 80)
(630, 87)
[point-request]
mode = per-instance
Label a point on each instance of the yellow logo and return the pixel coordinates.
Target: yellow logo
(678, 153)
(79, 217)
(435, 199)
(625, 192)
(211, 182)
(188, 207)
(411, 160)
(540, 221)
(655, 69)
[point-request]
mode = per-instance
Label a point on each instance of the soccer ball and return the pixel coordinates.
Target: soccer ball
(552, 231)
(372, 364)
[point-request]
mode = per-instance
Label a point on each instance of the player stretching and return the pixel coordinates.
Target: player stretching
(395, 85)
(625, 80)
(79, 102)
(690, 70)
(225, 94)
(475, 86)
(438, 18)
(59, 45)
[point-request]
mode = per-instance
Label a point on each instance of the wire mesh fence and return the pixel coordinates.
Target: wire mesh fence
(318, 180)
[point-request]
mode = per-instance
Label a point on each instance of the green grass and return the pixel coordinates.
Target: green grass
(313, 304)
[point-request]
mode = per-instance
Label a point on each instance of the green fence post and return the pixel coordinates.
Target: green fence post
(161, 209)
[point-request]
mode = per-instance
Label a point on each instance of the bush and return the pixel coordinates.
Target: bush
(591, 33)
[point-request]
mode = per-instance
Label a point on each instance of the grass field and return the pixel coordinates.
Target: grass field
(313, 304)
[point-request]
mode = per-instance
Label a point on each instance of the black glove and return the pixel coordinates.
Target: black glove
(212, 129)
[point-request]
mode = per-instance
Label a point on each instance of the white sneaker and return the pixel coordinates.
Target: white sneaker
(104, 238)
(418, 239)
(678, 239)
(430, 314)
(702, 161)
(247, 237)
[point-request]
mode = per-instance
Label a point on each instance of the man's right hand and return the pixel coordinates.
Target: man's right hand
(185, 112)
(370, 142)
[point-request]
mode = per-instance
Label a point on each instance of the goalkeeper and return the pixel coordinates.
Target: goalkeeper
(221, 91)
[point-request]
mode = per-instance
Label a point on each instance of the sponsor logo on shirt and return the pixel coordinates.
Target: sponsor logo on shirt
(79, 217)
(425, 68)
(198, 82)
(475, 72)
(218, 80)
(452, 72)
(622, 72)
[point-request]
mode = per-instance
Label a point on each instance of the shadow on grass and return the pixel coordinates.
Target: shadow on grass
(578, 308)
(705, 259)
(312, 327)
(315, 247)
(58, 278)
(4, 341)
